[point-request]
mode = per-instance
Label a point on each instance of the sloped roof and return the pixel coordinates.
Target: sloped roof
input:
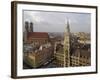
(37, 35)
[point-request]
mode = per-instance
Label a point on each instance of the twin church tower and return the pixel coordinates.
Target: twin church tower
(28, 26)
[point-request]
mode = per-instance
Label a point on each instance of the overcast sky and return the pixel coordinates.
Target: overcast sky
(56, 21)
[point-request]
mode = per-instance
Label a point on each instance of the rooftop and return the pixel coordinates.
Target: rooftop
(37, 35)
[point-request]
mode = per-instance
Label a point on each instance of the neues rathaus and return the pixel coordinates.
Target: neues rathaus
(72, 52)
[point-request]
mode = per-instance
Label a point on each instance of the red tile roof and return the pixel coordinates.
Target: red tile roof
(37, 35)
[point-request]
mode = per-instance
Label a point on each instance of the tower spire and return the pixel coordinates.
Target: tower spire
(67, 45)
(27, 26)
(31, 27)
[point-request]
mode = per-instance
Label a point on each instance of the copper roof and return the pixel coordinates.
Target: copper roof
(37, 35)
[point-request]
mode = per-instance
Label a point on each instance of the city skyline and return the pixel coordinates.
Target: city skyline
(42, 51)
(55, 21)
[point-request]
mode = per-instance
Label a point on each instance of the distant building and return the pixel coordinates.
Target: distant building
(80, 58)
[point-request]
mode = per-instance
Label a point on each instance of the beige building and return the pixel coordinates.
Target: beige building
(72, 53)
(39, 57)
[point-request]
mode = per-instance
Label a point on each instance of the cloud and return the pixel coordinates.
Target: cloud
(32, 17)
(55, 21)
